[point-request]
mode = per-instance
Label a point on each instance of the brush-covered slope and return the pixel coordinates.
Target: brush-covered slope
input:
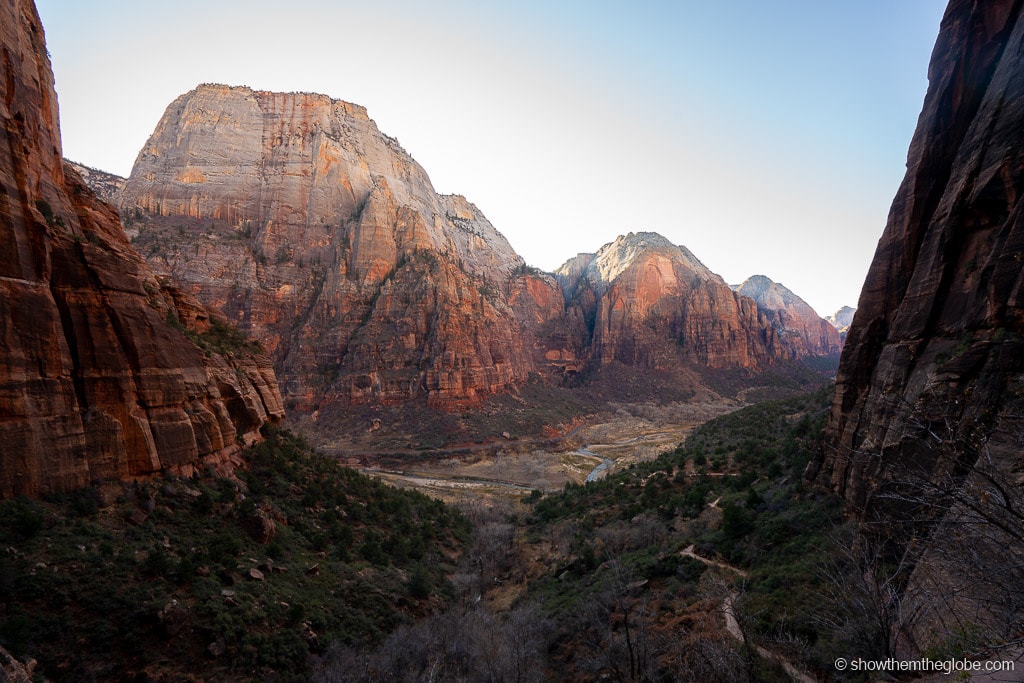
(104, 371)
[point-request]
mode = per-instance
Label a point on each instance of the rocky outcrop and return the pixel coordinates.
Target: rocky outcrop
(539, 306)
(800, 329)
(107, 186)
(841, 320)
(645, 302)
(927, 418)
(298, 218)
(13, 671)
(104, 371)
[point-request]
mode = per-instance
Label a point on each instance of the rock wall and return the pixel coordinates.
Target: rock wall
(299, 219)
(801, 330)
(646, 302)
(99, 378)
(937, 333)
(927, 426)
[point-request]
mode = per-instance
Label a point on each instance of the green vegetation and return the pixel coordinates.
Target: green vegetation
(220, 338)
(226, 578)
(666, 541)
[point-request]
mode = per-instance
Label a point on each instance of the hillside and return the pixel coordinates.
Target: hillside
(220, 578)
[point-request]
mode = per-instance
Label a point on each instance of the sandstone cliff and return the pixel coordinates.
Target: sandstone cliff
(926, 425)
(799, 327)
(298, 218)
(100, 376)
(645, 302)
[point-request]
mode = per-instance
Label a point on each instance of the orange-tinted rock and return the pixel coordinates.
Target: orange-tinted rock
(99, 379)
(801, 330)
(539, 306)
(320, 235)
(648, 303)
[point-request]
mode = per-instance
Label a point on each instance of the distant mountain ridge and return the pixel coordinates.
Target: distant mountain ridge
(842, 319)
(803, 331)
(652, 302)
(319, 234)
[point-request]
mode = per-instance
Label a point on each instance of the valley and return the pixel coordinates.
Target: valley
(610, 441)
(273, 408)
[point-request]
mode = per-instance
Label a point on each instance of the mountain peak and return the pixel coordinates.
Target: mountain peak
(842, 318)
(764, 290)
(615, 257)
(793, 318)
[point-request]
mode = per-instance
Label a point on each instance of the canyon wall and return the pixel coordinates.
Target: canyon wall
(295, 216)
(104, 371)
(801, 330)
(927, 426)
(647, 303)
(298, 218)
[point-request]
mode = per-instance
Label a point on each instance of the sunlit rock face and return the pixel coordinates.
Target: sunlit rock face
(100, 379)
(299, 219)
(295, 216)
(645, 302)
(799, 327)
(841, 320)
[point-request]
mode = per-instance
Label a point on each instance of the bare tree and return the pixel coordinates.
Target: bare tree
(939, 560)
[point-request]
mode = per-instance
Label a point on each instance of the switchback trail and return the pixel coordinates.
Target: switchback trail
(732, 624)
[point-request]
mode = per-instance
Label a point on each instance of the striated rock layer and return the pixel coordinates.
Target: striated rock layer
(800, 328)
(99, 378)
(645, 302)
(299, 219)
(295, 216)
(927, 417)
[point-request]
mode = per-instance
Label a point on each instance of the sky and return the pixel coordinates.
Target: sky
(767, 137)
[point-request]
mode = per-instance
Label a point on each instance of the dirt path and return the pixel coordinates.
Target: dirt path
(688, 552)
(732, 624)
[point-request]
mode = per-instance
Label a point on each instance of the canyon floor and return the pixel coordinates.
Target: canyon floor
(610, 440)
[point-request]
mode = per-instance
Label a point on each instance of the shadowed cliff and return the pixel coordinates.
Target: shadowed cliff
(926, 430)
(107, 372)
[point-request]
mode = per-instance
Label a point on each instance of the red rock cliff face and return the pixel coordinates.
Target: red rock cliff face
(801, 330)
(645, 302)
(305, 224)
(936, 335)
(96, 382)
(927, 417)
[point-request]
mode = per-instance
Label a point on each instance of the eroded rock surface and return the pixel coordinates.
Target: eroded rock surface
(799, 327)
(925, 435)
(646, 302)
(305, 224)
(937, 336)
(101, 376)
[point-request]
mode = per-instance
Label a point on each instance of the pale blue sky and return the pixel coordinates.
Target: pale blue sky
(768, 137)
